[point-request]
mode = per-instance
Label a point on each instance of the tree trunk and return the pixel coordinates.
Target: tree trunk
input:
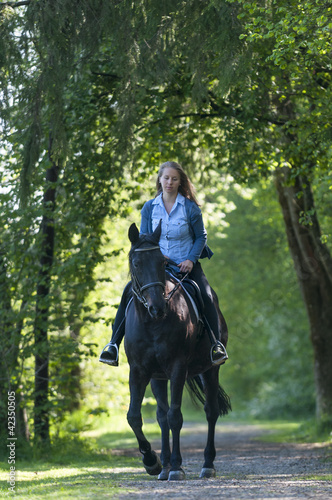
(10, 374)
(5, 344)
(41, 402)
(313, 266)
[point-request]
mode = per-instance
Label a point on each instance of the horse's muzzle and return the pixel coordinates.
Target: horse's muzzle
(157, 312)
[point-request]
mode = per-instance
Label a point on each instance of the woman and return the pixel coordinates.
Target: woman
(183, 242)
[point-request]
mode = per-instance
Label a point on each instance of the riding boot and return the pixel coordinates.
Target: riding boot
(218, 351)
(110, 353)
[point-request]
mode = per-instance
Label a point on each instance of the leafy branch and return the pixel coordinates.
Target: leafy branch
(15, 4)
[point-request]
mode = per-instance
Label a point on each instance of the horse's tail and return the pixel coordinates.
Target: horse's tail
(196, 391)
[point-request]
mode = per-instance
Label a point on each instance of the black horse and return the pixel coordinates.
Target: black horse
(164, 340)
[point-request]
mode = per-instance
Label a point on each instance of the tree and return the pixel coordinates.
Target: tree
(297, 115)
(58, 160)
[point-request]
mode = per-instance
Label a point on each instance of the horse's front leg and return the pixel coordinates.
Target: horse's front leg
(137, 385)
(175, 419)
(159, 389)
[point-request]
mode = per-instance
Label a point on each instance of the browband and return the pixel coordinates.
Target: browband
(146, 249)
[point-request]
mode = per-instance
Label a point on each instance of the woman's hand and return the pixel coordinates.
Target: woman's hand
(186, 266)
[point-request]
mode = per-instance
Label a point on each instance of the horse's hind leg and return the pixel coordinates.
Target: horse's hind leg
(211, 407)
(137, 385)
(159, 389)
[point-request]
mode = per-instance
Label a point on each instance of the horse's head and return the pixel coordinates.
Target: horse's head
(147, 268)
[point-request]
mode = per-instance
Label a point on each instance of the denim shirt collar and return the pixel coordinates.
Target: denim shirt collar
(159, 200)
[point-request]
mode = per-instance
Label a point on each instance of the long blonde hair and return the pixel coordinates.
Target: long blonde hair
(186, 187)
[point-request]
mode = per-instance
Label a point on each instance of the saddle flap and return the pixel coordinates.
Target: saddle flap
(193, 289)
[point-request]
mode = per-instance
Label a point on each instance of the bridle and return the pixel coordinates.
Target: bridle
(138, 289)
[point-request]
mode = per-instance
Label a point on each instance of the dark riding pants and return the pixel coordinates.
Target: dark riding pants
(210, 311)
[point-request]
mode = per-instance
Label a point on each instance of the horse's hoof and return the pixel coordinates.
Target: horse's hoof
(176, 475)
(207, 473)
(156, 468)
(163, 476)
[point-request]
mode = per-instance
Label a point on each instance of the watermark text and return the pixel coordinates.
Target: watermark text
(11, 441)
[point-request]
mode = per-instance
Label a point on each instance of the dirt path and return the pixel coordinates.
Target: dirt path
(247, 468)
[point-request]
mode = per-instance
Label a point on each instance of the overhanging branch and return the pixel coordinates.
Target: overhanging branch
(207, 115)
(184, 115)
(15, 4)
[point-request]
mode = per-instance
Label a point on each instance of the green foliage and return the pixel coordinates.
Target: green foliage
(49, 116)
(269, 373)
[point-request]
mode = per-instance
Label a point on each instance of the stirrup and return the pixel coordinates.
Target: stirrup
(223, 358)
(112, 362)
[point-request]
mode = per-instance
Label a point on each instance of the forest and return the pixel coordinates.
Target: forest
(93, 100)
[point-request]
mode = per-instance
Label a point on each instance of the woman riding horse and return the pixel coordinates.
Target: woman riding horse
(182, 242)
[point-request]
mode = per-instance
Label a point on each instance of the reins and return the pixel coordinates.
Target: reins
(179, 283)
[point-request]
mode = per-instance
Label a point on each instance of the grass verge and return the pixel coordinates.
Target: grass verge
(308, 431)
(91, 466)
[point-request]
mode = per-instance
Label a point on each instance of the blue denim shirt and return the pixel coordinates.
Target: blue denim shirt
(183, 235)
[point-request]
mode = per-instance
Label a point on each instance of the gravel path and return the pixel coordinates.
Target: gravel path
(246, 468)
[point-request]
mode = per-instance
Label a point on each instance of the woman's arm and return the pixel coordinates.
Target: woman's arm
(199, 233)
(146, 224)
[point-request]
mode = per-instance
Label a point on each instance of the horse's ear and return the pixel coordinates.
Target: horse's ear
(157, 232)
(133, 234)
